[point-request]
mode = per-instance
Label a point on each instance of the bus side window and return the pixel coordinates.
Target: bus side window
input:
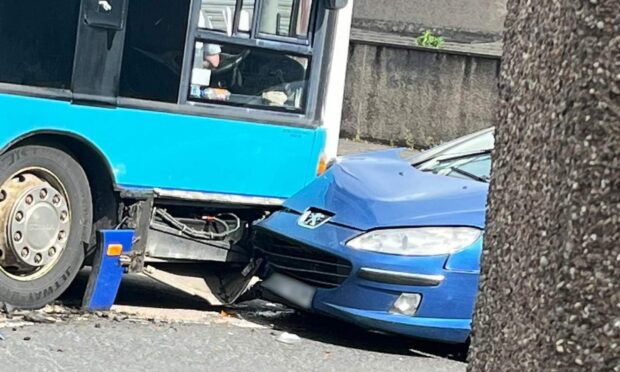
(240, 68)
(288, 18)
(246, 16)
(37, 40)
(249, 77)
(219, 15)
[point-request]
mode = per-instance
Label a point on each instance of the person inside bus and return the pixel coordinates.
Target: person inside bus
(270, 79)
(211, 56)
(207, 59)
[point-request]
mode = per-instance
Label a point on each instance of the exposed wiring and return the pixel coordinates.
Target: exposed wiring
(121, 223)
(197, 234)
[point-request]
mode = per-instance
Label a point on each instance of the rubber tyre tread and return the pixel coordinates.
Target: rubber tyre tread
(44, 290)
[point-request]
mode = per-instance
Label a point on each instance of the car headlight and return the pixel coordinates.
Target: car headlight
(421, 241)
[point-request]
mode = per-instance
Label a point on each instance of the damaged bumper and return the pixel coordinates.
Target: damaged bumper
(314, 270)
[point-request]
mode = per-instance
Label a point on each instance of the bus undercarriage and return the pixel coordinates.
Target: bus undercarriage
(203, 250)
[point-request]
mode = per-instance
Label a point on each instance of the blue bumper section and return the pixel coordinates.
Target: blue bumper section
(444, 313)
(446, 330)
(107, 273)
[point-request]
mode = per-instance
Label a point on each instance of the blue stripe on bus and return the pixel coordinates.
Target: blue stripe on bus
(150, 149)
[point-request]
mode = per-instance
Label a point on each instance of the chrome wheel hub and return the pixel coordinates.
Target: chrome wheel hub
(36, 221)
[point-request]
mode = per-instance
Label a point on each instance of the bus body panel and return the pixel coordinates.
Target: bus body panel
(336, 79)
(149, 149)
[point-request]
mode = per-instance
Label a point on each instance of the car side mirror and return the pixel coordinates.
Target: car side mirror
(336, 4)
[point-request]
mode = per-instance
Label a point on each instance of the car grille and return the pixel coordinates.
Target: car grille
(302, 262)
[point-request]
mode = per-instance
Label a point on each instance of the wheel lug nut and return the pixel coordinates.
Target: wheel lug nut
(51, 252)
(62, 235)
(43, 194)
(2, 195)
(37, 258)
(25, 252)
(56, 199)
(63, 216)
(18, 236)
(29, 199)
(19, 216)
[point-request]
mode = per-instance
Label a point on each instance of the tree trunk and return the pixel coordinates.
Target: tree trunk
(550, 293)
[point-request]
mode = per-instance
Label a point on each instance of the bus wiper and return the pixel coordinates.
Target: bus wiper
(469, 175)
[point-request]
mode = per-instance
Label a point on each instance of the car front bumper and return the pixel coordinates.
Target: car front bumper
(375, 281)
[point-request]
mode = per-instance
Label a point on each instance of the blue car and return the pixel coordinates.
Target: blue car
(389, 243)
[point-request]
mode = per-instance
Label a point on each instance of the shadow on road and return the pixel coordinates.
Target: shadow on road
(142, 292)
(139, 291)
(332, 331)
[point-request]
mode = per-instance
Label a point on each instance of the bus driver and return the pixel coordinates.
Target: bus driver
(211, 58)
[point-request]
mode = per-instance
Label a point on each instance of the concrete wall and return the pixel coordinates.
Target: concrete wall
(413, 97)
(461, 20)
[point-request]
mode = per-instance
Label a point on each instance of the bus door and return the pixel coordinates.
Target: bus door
(99, 49)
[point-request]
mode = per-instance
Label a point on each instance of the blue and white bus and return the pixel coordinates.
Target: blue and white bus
(186, 120)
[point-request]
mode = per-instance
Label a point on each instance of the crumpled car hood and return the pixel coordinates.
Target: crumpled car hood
(380, 189)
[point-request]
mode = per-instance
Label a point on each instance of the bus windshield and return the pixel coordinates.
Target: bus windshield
(245, 76)
(239, 74)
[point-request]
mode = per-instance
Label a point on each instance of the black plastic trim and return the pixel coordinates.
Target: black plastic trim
(397, 278)
(223, 112)
(276, 45)
(39, 92)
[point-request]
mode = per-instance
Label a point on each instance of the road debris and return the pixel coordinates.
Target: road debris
(225, 314)
(38, 318)
(6, 308)
(55, 313)
(180, 316)
(288, 338)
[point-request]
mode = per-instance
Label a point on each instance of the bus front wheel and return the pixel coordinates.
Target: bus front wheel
(45, 223)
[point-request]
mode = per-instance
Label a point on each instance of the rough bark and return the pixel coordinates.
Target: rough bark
(550, 293)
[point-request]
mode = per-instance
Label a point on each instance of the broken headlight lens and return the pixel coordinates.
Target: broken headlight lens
(422, 241)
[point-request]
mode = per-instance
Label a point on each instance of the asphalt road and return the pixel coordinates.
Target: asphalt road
(157, 328)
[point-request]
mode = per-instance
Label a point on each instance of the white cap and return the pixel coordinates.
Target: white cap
(212, 49)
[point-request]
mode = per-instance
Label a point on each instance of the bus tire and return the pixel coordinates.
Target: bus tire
(46, 215)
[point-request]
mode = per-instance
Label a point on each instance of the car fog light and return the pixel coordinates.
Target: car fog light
(407, 304)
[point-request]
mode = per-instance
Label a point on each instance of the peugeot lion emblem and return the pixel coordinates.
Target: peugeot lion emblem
(312, 219)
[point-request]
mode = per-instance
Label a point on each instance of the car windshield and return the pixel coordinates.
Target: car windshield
(468, 157)
(476, 167)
